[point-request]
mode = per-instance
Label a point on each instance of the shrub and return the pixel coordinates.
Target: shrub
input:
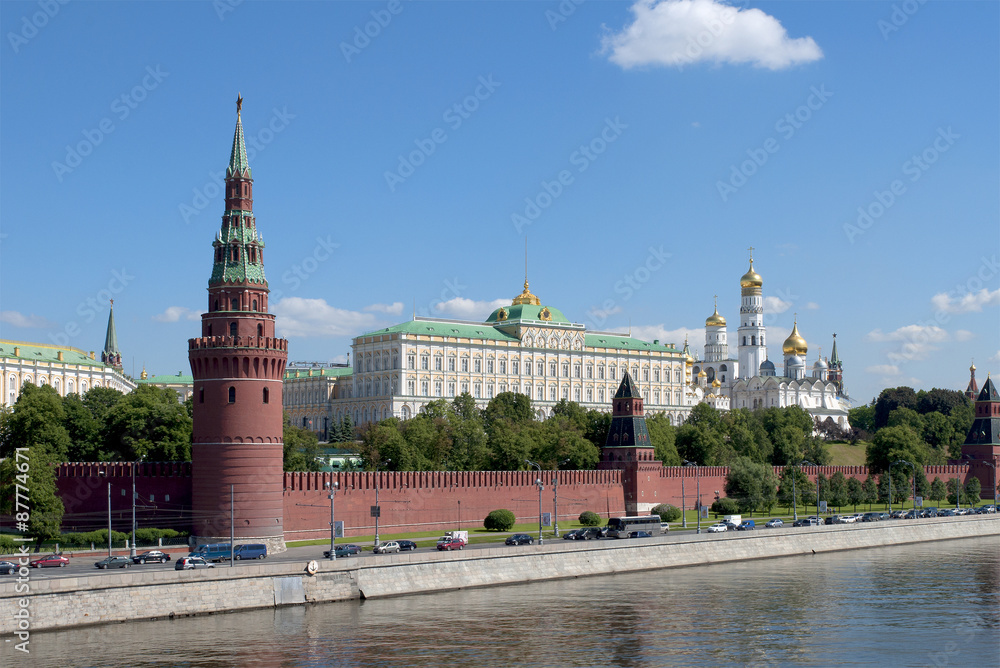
(7, 544)
(499, 520)
(725, 506)
(667, 512)
(589, 518)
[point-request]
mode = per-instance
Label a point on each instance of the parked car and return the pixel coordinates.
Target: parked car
(519, 539)
(406, 545)
(386, 548)
(947, 512)
(153, 555)
(250, 551)
(731, 526)
(572, 534)
(114, 562)
(911, 515)
(718, 527)
(453, 544)
(664, 527)
(51, 561)
(883, 516)
(8, 567)
(639, 534)
(338, 552)
(191, 563)
(774, 524)
(746, 525)
(807, 522)
(870, 517)
(590, 533)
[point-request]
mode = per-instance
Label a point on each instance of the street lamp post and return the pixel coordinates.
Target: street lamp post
(807, 463)
(795, 507)
(538, 481)
(378, 510)
(333, 526)
(555, 498)
(105, 474)
(132, 551)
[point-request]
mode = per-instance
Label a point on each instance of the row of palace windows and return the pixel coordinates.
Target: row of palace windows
(554, 392)
(361, 416)
(539, 367)
(43, 380)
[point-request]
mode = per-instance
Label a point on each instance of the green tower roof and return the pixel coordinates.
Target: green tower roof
(238, 163)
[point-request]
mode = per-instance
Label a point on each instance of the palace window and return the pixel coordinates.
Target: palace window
(600, 395)
(552, 393)
(645, 374)
(489, 366)
(411, 361)
(656, 375)
(477, 391)
(424, 387)
(565, 370)
(590, 371)
(514, 367)
(477, 365)
(576, 370)
(411, 387)
(565, 392)
(489, 390)
(576, 394)
(600, 372)
(437, 388)
(425, 361)
(552, 369)
(378, 362)
(656, 397)
(465, 388)
(437, 363)
(451, 363)
(503, 367)
(465, 364)
(541, 369)
(541, 393)
(451, 389)
(590, 394)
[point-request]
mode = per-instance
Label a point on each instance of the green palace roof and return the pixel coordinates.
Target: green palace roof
(176, 379)
(320, 372)
(625, 343)
(41, 352)
(520, 312)
(445, 328)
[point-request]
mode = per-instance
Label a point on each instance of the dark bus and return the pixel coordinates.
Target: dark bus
(620, 527)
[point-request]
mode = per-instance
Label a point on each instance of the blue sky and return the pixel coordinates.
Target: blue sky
(641, 149)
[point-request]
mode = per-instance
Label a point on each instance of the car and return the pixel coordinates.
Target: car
(519, 539)
(848, 519)
(406, 545)
(774, 524)
(386, 548)
(664, 527)
(897, 514)
(947, 512)
(51, 561)
(883, 516)
(338, 552)
(191, 563)
(833, 519)
(746, 525)
(870, 517)
(8, 567)
(731, 526)
(639, 534)
(911, 515)
(718, 527)
(152, 555)
(591, 533)
(453, 544)
(114, 562)
(807, 522)
(572, 534)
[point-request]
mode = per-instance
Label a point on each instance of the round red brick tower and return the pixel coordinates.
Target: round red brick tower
(238, 366)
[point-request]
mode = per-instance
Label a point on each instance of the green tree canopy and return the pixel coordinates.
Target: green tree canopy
(300, 449)
(149, 423)
(752, 485)
(889, 400)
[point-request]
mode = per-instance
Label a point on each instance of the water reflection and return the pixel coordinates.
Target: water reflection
(934, 603)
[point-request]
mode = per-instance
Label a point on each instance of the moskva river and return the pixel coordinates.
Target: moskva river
(933, 604)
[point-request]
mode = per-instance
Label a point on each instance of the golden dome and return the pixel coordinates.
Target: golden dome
(687, 354)
(526, 297)
(795, 344)
(143, 375)
(716, 383)
(702, 374)
(715, 320)
(751, 279)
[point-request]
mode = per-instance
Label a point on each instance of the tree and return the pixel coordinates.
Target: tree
(347, 429)
(300, 450)
(973, 491)
(855, 492)
(589, 518)
(940, 401)
(908, 417)
(507, 407)
(893, 443)
(787, 487)
(815, 451)
(938, 490)
(663, 437)
(753, 485)
(862, 418)
(746, 435)
(838, 491)
(698, 443)
(667, 512)
(37, 422)
(938, 430)
(870, 490)
(889, 400)
(149, 423)
(725, 506)
(956, 491)
(499, 520)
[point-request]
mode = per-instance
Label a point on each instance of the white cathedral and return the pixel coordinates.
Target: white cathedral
(751, 380)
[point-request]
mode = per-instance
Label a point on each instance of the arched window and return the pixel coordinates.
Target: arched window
(234, 304)
(260, 330)
(201, 395)
(266, 395)
(255, 305)
(209, 330)
(753, 340)
(215, 305)
(232, 329)
(235, 254)
(232, 395)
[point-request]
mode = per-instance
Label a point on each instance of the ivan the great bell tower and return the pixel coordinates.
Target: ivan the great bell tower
(238, 365)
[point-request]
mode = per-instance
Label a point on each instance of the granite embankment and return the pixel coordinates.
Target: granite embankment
(63, 602)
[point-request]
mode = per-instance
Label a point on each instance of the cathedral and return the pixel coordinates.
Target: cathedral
(751, 380)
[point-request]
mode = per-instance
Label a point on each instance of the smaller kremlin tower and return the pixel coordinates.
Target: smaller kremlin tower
(628, 447)
(111, 355)
(972, 391)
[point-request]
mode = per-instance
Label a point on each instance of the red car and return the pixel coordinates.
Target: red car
(454, 544)
(51, 561)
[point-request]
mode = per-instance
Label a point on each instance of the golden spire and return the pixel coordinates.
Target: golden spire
(239, 104)
(143, 375)
(526, 297)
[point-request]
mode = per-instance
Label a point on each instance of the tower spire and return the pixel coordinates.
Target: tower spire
(238, 163)
(111, 354)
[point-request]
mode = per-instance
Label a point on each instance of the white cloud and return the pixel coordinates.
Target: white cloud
(910, 333)
(972, 301)
(812, 306)
(883, 369)
(996, 358)
(175, 313)
(675, 33)
(696, 337)
(395, 308)
(339, 359)
(468, 309)
(775, 305)
(20, 320)
(597, 314)
(297, 316)
(964, 335)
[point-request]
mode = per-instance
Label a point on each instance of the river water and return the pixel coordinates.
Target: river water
(931, 604)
